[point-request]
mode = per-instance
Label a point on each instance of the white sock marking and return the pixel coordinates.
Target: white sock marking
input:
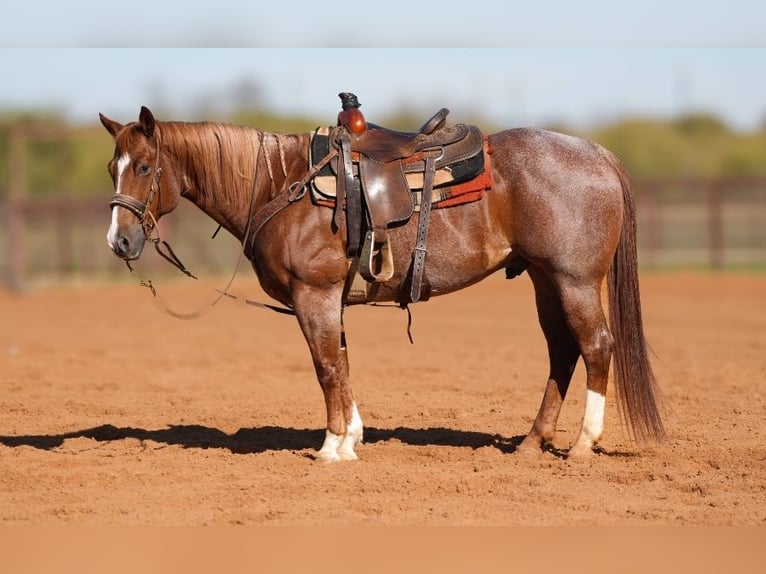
(341, 447)
(593, 420)
(354, 433)
(329, 450)
(355, 428)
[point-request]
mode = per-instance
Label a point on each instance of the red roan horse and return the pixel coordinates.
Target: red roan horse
(559, 206)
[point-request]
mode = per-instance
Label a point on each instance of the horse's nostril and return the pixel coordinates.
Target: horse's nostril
(123, 244)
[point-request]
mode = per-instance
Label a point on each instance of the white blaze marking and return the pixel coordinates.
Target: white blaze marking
(593, 420)
(122, 165)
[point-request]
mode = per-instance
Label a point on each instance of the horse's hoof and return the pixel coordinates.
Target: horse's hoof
(345, 455)
(531, 446)
(328, 457)
(528, 450)
(579, 453)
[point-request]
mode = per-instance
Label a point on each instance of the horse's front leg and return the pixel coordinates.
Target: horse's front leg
(320, 315)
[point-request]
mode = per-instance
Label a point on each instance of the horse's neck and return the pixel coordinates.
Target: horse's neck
(232, 171)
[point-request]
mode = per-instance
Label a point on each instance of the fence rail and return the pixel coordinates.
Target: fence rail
(713, 223)
(716, 223)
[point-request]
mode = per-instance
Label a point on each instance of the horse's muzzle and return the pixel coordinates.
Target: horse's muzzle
(127, 244)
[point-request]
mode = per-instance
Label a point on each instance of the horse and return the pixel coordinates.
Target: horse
(559, 207)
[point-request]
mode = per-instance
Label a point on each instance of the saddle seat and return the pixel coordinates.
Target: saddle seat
(383, 144)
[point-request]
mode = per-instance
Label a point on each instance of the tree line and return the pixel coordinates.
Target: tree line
(63, 159)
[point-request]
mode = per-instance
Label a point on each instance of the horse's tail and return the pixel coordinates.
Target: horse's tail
(636, 389)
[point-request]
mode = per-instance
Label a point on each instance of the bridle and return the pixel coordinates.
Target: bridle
(142, 210)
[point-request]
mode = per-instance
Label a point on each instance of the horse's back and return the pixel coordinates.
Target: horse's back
(550, 157)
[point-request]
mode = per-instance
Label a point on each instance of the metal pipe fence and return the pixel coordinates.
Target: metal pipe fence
(683, 223)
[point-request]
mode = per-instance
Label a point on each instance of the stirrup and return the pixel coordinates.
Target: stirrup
(376, 255)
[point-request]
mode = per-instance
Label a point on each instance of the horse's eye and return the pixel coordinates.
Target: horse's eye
(144, 169)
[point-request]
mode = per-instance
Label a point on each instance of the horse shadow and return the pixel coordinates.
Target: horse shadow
(265, 438)
(276, 438)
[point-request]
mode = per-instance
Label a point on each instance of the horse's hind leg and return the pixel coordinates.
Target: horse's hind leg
(582, 306)
(322, 326)
(563, 352)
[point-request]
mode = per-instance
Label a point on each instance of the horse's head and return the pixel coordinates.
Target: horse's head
(145, 184)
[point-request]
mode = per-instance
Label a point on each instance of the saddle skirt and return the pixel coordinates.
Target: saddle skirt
(457, 180)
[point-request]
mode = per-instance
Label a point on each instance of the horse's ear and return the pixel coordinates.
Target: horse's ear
(111, 126)
(146, 119)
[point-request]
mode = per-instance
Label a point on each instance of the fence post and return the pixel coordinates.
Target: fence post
(715, 224)
(63, 209)
(17, 195)
(649, 222)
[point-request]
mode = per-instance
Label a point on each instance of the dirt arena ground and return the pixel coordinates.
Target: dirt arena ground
(113, 413)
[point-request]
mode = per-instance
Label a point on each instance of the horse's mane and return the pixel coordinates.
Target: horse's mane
(221, 158)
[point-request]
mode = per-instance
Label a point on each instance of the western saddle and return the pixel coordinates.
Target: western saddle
(375, 174)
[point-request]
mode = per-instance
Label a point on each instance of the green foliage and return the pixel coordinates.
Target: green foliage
(86, 173)
(647, 147)
(65, 159)
(744, 155)
(270, 123)
(698, 145)
(700, 126)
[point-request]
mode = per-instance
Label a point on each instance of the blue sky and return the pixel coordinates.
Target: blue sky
(388, 23)
(582, 87)
(527, 63)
